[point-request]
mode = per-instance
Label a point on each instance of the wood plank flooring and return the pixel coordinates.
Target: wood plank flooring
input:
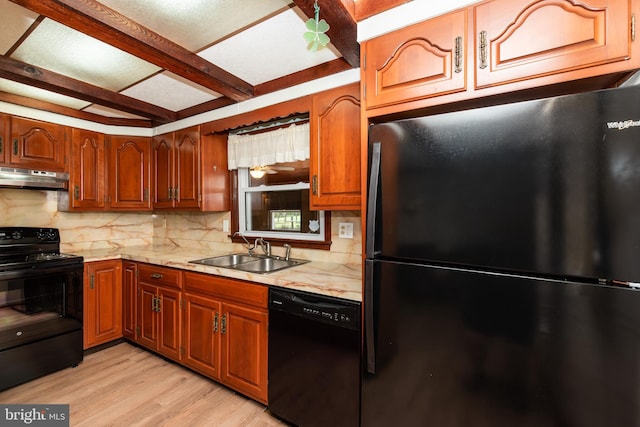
(127, 386)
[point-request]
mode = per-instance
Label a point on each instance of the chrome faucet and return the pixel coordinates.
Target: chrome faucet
(288, 252)
(250, 248)
(266, 246)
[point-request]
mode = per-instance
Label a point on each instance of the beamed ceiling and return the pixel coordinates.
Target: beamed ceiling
(150, 62)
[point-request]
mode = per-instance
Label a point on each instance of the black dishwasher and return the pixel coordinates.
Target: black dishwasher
(314, 354)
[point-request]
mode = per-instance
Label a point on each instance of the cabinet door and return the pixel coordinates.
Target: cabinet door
(87, 173)
(335, 149)
(419, 61)
(129, 287)
(147, 319)
(4, 138)
(169, 323)
(215, 174)
(37, 145)
(129, 173)
(202, 321)
(244, 346)
(520, 39)
(163, 171)
(187, 168)
(103, 302)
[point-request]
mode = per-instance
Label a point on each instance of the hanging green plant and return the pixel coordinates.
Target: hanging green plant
(316, 37)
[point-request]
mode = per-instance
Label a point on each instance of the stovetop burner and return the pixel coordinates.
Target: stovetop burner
(32, 247)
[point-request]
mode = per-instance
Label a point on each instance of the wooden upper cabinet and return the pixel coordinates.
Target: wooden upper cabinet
(176, 164)
(522, 39)
(187, 167)
(37, 145)
(4, 138)
(423, 60)
(215, 173)
(335, 149)
(87, 172)
(163, 171)
(129, 173)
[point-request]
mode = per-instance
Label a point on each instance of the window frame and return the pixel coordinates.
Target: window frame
(324, 243)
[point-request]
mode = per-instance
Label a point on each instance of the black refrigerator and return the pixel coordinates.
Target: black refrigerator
(503, 256)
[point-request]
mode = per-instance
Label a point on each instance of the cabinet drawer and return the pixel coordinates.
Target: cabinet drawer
(156, 275)
(230, 289)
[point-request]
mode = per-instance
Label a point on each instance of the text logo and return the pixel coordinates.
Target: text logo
(34, 415)
(624, 124)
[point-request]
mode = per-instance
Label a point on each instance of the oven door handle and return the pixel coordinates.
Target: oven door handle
(41, 270)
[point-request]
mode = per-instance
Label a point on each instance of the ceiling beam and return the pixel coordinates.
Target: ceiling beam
(72, 112)
(342, 27)
(48, 80)
(98, 21)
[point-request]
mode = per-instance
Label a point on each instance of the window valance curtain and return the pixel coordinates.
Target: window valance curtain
(267, 148)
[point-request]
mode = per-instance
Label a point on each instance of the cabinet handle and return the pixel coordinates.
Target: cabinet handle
(92, 282)
(158, 304)
(224, 324)
(215, 323)
(156, 276)
(633, 32)
(458, 57)
(314, 185)
(176, 193)
(15, 146)
(483, 49)
(76, 192)
(153, 304)
(1, 146)
(170, 191)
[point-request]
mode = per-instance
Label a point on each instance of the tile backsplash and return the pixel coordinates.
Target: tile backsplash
(98, 230)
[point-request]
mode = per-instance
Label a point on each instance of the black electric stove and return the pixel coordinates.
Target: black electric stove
(40, 305)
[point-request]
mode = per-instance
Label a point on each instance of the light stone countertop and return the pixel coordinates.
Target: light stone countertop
(337, 280)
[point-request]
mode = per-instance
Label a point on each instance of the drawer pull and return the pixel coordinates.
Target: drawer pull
(156, 276)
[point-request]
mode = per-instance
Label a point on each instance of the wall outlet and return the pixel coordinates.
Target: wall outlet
(225, 225)
(345, 230)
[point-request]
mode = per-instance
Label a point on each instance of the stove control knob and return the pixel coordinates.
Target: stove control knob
(16, 235)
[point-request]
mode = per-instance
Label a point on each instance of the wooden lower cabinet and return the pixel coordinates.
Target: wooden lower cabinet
(202, 340)
(102, 302)
(213, 325)
(159, 321)
(226, 332)
(129, 291)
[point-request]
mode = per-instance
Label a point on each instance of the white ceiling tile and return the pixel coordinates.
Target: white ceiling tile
(171, 92)
(14, 21)
(41, 94)
(110, 112)
(271, 49)
(60, 49)
(195, 24)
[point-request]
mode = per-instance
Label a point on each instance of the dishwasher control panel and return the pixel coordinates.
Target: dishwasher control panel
(342, 313)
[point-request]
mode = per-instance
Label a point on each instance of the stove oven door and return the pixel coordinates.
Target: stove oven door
(40, 321)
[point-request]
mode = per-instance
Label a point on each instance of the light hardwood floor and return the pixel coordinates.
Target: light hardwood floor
(127, 386)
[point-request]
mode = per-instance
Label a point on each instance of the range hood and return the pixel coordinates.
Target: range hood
(35, 179)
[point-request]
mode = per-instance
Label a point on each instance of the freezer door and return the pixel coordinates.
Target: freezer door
(463, 348)
(547, 186)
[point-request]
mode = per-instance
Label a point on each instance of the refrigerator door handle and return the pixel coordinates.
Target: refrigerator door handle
(372, 202)
(369, 337)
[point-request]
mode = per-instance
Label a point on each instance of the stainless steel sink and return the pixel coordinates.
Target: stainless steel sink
(260, 264)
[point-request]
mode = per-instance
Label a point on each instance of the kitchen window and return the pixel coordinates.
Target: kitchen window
(272, 187)
(276, 204)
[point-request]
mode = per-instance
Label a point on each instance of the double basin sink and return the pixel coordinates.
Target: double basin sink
(250, 263)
